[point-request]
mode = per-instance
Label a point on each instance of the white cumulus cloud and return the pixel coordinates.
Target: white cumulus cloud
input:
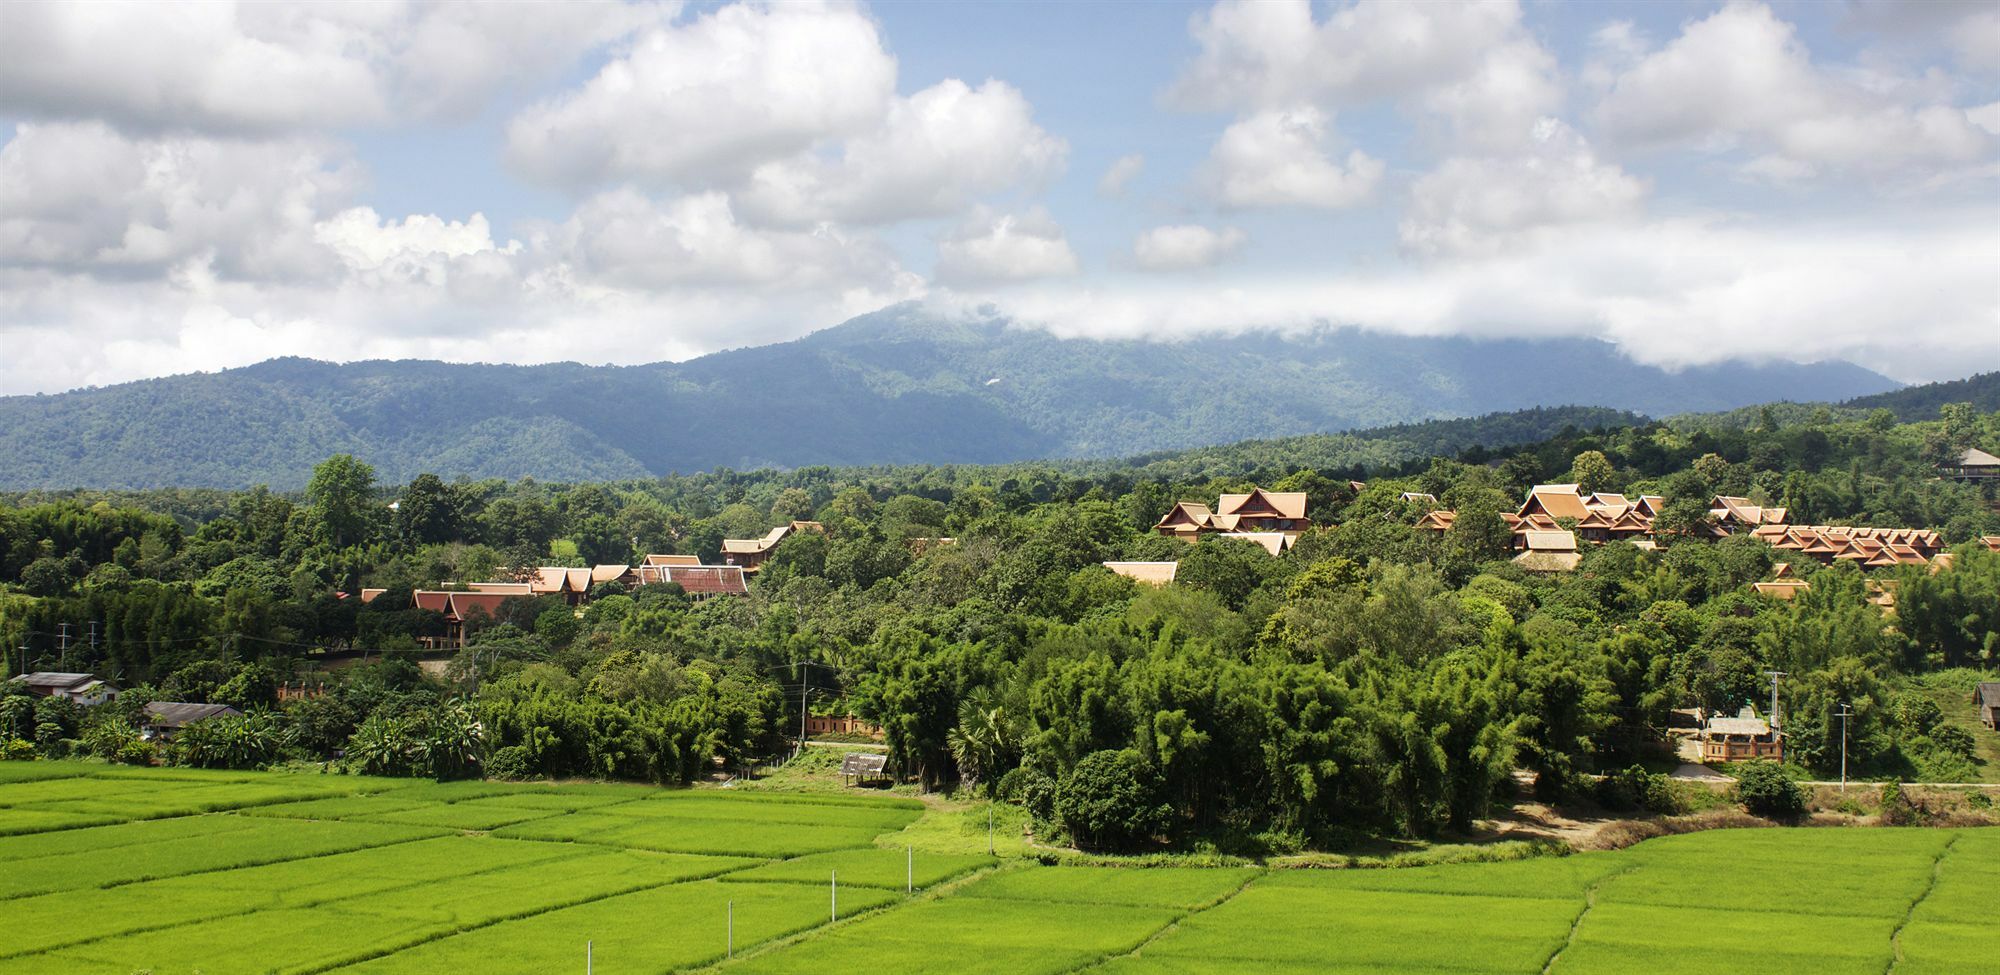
(1741, 81)
(1121, 171)
(263, 67)
(1485, 202)
(934, 154)
(1280, 158)
(711, 99)
(1182, 247)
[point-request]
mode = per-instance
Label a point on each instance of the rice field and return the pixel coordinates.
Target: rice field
(171, 872)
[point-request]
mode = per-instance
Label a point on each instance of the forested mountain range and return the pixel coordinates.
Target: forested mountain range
(891, 387)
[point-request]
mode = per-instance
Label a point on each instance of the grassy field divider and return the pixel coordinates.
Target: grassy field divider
(1171, 925)
(938, 892)
(1576, 923)
(1896, 936)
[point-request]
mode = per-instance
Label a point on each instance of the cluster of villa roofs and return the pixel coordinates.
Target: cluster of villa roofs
(1550, 525)
(1601, 517)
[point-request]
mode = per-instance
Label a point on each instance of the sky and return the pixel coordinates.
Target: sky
(192, 187)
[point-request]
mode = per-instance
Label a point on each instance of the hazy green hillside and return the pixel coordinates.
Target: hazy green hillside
(891, 387)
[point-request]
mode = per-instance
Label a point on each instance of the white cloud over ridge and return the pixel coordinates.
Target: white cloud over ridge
(994, 249)
(1671, 292)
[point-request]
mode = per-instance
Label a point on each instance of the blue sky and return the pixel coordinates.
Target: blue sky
(197, 186)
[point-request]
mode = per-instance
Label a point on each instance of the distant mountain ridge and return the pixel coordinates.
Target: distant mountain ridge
(894, 386)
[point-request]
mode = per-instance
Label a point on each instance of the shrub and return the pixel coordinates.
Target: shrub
(1765, 790)
(1111, 800)
(1635, 788)
(249, 741)
(17, 750)
(510, 762)
(1896, 807)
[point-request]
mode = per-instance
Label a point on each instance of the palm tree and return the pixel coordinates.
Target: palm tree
(985, 743)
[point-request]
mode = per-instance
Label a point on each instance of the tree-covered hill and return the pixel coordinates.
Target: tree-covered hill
(892, 387)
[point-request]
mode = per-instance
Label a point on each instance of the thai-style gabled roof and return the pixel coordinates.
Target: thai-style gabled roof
(1185, 516)
(1652, 504)
(1273, 542)
(464, 604)
(435, 600)
(1974, 457)
(1727, 508)
(758, 546)
(506, 588)
(1555, 500)
(698, 580)
(607, 573)
(1262, 503)
(368, 595)
(1551, 541)
(1546, 561)
(672, 560)
(1781, 588)
(1606, 499)
(1149, 573)
(1439, 520)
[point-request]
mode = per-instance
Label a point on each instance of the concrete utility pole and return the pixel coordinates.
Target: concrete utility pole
(729, 936)
(832, 896)
(802, 710)
(64, 635)
(1775, 676)
(586, 957)
(909, 870)
(1845, 713)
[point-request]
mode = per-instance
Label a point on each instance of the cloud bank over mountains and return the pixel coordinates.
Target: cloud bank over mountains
(194, 187)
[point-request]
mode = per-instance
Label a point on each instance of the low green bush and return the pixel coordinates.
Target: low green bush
(1765, 790)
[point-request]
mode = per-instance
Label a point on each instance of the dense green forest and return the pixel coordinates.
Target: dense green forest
(1372, 679)
(896, 386)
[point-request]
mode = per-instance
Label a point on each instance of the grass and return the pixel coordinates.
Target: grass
(888, 869)
(306, 873)
(1952, 690)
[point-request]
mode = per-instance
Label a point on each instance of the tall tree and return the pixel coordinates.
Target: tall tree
(339, 493)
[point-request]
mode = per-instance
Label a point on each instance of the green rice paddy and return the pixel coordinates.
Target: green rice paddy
(114, 870)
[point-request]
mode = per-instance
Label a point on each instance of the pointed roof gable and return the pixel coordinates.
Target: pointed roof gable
(1184, 516)
(1974, 457)
(1556, 501)
(1262, 503)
